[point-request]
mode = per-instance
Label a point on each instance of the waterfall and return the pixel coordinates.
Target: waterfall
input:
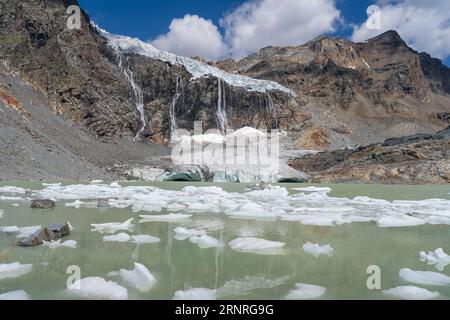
(172, 115)
(138, 97)
(222, 106)
(272, 109)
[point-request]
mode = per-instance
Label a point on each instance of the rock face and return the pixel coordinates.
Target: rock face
(43, 204)
(418, 159)
(49, 233)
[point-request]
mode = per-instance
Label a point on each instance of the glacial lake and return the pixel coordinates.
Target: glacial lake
(182, 264)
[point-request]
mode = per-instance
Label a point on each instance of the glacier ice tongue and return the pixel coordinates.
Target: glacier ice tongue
(411, 293)
(140, 277)
(196, 294)
(316, 250)
(304, 291)
(14, 270)
(98, 289)
(196, 68)
(424, 277)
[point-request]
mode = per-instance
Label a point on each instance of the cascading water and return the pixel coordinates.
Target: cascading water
(222, 106)
(138, 97)
(272, 109)
(172, 115)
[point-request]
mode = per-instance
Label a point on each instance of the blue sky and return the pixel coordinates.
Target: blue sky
(150, 19)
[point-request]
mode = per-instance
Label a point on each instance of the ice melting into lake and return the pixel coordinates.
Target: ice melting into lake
(15, 295)
(411, 293)
(304, 291)
(140, 278)
(98, 288)
(425, 277)
(14, 270)
(316, 250)
(438, 258)
(195, 294)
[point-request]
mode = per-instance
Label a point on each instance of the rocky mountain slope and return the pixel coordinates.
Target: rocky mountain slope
(94, 100)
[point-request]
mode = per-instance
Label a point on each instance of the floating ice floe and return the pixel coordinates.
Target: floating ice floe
(304, 291)
(425, 277)
(113, 227)
(183, 233)
(313, 189)
(400, 221)
(256, 245)
(145, 239)
(22, 232)
(15, 295)
(316, 250)
(196, 294)
(120, 237)
(14, 270)
(164, 218)
(140, 277)
(58, 244)
(205, 241)
(438, 258)
(98, 288)
(196, 68)
(16, 190)
(411, 293)
(241, 287)
(1, 213)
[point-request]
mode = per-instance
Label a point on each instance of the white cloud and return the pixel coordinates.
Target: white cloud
(192, 36)
(260, 23)
(423, 24)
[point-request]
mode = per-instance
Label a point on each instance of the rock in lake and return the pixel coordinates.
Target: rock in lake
(43, 204)
(49, 233)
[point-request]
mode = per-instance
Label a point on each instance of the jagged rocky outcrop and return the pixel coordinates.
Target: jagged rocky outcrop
(417, 159)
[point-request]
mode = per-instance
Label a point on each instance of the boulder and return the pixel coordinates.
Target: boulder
(43, 204)
(48, 233)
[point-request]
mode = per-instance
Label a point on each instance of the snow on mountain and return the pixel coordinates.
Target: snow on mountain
(196, 68)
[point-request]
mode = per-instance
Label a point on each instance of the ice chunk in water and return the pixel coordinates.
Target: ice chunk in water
(145, 239)
(113, 227)
(304, 291)
(21, 232)
(248, 284)
(120, 237)
(316, 250)
(411, 293)
(9, 189)
(164, 218)
(15, 295)
(140, 278)
(183, 233)
(1, 213)
(14, 270)
(438, 258)
(205, 241)
(425, 277)
(58, 244)
(400, 221)
(313, 189)
(195, 294)
(256, 245)
(98, 288)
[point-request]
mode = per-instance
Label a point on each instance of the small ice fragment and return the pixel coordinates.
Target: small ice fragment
(196, 294)
(15, 295)
(314, 189)
(438, 258)
(14, 270)
(205, 241)
(8, 189)
(98, 289)
(316, 250)
(164, 218)
(71, 228)
(58, 244)
(145, 239)
(121, 237)
(425, 277)
(140, 278)
(113, 274)
(304, 291)
(1, 213)
(113, 227)
(402, 221)
(183, 233)
(411, 293)
(254, 244)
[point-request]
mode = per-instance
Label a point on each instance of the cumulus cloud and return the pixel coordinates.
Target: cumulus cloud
(423, 24)
(260, 23)
(249, 27)
(192, 36)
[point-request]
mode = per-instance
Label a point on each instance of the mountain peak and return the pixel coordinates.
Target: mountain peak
(390, 38)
